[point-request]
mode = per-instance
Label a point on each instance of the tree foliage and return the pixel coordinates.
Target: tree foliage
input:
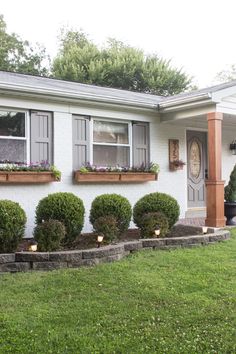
(78, 59)
(19, 55)
(227, 75)
(117, 65)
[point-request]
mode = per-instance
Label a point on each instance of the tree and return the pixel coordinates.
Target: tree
(19, 56)
(117, 65)
(227, 75)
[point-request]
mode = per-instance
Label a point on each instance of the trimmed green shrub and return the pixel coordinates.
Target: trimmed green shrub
(149, 223)
(49, 235)
(112, 205)
(230, 189)
(154, 202)
(107, 225)
(64, 207)
(12, 225)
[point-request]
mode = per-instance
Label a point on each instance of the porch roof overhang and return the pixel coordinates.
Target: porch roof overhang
(220, 98)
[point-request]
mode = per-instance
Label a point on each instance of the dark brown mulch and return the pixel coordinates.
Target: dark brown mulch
(89, 240)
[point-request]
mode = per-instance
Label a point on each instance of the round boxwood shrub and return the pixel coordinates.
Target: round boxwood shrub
(64, 207)
(12, 225)
(112, 205)
(49, 235)
(107, 225)
(150, 221)
(154, 202)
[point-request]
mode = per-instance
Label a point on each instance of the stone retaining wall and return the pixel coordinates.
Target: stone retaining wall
(25, 261)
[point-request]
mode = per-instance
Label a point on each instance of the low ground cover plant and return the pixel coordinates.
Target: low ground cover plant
(49, 235)
(156, 202)
(12, 225)
(112, 205)
(64, 207)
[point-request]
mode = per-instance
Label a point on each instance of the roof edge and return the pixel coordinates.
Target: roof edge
(182, 101)
(26, 89)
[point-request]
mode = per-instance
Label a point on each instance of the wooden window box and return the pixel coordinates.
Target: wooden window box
(27, 177)
(114, 177)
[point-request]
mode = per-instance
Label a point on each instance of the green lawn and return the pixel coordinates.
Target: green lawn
(180, 301)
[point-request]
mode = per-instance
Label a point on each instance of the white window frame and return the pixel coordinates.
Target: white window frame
(27, 130)
(129, 145)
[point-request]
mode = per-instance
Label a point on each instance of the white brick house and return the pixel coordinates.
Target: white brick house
(54, 116)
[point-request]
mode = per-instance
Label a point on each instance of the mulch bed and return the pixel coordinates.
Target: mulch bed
(89, 240)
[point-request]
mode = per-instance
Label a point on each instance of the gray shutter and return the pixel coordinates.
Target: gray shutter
(41, 137)
(80, 141)
(140, 144)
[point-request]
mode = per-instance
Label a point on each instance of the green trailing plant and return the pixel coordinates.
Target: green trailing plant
(83, 169)
(157, 202)
(154, 167)
(151, 221)
(56, 173)
(107, 226)
(49, 235)
(12, 225)
(230, 189)
(112, 205)
(65, 207)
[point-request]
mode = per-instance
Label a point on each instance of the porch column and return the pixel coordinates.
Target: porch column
(214, 184)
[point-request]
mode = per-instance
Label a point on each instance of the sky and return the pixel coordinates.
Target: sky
(196, 35)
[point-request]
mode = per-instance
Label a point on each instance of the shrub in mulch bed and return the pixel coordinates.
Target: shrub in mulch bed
(12, 225)
(114, 205)
(89, 240)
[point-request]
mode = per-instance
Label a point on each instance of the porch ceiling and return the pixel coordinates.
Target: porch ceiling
(200, 121)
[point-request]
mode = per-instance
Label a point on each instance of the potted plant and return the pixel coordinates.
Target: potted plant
(230, 198)
(176, 165)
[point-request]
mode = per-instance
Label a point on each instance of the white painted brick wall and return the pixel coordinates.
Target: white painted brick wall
(173, 183)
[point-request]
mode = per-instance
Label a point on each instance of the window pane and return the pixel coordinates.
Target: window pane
(111, 156)
(12, 150)
(108, 132)
(12, 124)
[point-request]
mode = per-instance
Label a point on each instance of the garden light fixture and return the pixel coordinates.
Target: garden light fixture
(99, 240)
(204, 229)
(33, 246)
(157, 231)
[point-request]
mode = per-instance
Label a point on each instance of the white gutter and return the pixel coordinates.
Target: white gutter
(182, 101)
(80, 95)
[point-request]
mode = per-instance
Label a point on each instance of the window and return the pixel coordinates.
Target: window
(111, 144)
(13, 137)
(105, 142)
(25, 138)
